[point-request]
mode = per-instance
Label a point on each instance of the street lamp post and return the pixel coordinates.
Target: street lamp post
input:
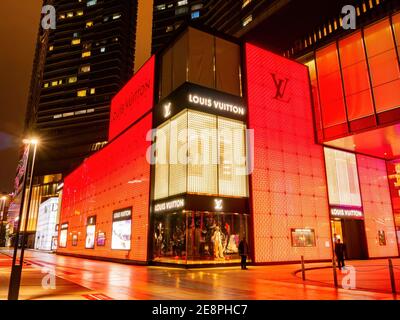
(3, 203)
(2, 207)
(17, 263)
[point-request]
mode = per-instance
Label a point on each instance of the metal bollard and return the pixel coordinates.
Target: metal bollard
(392, 279)
(335, 280)
(303, 270)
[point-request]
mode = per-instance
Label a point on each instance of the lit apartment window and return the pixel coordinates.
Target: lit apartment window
(89, 24)
(51, 48)
(182, 3)
(91, 3)
(161, 7)
(75, 41)
(179, 11)
(81, 93)
(90, 110)
(170, 5)
(67, 114)
(106, 19)
(103, 49)
(116, 16)
(72, 79)
(245, 3)
(92, 91)
(79, 13)
(247, 20)
(197, 6)
(60, 82)
(61, 16)
(57, 116)
(195, 14)
(169, 29)
(46, 85)
(54, 83)
(77, 113)
(85, 68)
(86, 54)
(70, 14)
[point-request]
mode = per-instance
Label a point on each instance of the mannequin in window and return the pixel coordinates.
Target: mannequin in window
(217, 240)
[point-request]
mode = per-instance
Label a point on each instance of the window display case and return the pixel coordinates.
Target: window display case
(198, 237)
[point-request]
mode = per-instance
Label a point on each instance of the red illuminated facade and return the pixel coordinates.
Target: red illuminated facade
(116, 178)
(288, 183)
(303, 186)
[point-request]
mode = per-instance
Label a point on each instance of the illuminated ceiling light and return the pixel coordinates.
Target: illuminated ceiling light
(32, 141)
(134, 181)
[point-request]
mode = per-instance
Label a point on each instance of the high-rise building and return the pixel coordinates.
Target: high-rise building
(78, 68)
(265, 22)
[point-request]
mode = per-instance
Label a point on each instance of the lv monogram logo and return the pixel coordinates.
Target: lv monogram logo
(281, 86)
(167, 110)
(218, 204)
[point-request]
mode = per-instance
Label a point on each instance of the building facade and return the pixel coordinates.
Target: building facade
(214, 140)
(78, 68)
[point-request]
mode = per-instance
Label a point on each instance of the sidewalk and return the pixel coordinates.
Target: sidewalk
(31, 284)
(369, 275)
(102, 280)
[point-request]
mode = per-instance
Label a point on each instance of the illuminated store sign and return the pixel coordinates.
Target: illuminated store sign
(211, 103)
(198, 98)
(169, 205)
(133, 100)
(122, 215)
(346, 213)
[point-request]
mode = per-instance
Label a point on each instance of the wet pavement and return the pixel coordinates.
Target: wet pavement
(78, 278)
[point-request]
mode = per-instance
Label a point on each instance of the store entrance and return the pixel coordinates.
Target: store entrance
(352, 233)
(189, 237)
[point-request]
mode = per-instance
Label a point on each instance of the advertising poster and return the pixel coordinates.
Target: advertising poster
(90, 232)
(46, 225)
(63, 235)
(90, 237)
(121, 230)
(101, 239)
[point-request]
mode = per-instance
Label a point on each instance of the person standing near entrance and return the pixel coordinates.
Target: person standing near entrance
(340, 250)
(243, 252)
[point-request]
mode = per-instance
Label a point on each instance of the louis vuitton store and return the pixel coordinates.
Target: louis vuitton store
(223, 147)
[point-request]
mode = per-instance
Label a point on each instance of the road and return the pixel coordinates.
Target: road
(97, 280)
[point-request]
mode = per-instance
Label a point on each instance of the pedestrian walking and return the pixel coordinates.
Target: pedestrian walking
(243, 252)
(340, 251)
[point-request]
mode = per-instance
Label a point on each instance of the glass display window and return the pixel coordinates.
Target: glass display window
(74, 240)
(303, 237)
(198, 237)
(382, 237)
(63, 235)
(342, 175)
(200, 153)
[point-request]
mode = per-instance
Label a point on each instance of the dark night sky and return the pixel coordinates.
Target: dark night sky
(19, 22)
